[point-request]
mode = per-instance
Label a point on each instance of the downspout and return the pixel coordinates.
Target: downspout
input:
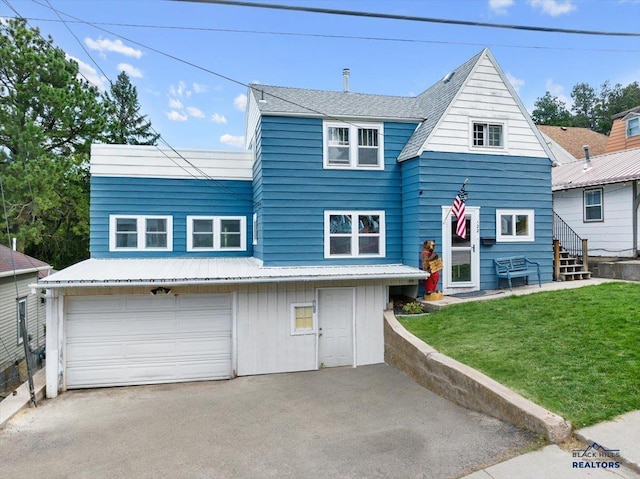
(634, 218)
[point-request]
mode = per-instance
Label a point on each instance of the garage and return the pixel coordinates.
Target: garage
(115, 340)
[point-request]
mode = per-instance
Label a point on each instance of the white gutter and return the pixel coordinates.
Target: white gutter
(17, 272)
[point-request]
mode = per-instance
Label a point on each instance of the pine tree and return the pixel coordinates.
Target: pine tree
(125, 124)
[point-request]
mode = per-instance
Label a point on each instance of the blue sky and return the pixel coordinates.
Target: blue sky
(173, 51)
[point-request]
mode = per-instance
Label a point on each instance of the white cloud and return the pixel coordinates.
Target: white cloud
(176, 116)
(240, 102)
(553, 7)
(105, 45)
(558, 91)
(130, 70)
(199, 88)
(195, 112)
(87, 72)
(500, 6)
(217, 118)
(180, 90)
(232, 140)
(516, 83)
(175, 104)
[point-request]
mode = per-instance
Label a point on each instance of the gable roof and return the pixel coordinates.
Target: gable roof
(573, 139)
(616, 167)
(13, 260)
(434, 103)
(622, 114)
(428, 107)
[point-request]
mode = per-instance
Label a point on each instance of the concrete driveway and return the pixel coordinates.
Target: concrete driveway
(371, 422)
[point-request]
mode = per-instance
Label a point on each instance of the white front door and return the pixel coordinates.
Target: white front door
(335, 327)
(461, 256)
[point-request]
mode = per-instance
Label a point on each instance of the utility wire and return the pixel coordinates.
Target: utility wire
(412, 18)
(340, 37)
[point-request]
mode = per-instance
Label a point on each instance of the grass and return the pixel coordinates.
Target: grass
(575, 352)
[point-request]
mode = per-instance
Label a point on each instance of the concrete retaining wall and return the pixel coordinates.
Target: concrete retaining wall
(464, 385)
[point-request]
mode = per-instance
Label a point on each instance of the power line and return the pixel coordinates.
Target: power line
(412, 18)
(338, 37)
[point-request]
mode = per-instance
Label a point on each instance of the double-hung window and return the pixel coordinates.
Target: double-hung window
(593, 210)
(515, 225)
(216, 233)
(357, 145)
(140, 233)
(22, 318)
(351, 234)
(633, 127)
(487, 135)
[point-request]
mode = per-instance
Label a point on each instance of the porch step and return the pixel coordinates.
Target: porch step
(571, 269)
(575, 275)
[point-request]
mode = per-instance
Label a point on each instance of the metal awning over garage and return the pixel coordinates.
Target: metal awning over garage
(189, 271)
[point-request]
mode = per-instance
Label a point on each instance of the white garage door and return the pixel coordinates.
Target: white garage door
(144, 339)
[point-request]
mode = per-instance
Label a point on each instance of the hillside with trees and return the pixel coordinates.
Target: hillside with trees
(591, 108)
(49, 117)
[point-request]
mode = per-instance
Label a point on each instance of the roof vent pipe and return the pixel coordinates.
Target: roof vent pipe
(345, 80)
(15, 244)
(586, 154)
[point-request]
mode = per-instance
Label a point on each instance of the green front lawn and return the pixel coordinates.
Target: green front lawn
(575, 352)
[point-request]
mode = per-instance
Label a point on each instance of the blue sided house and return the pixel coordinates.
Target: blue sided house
(282, 257)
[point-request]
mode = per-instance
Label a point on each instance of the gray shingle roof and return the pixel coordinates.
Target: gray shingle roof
(427, 108)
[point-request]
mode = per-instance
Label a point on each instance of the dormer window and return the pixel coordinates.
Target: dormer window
(353, 145)
(633, 127)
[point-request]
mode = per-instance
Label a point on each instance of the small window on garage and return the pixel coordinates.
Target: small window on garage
(302, 318)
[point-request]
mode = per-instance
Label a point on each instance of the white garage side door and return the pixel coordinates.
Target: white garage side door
(143, 339)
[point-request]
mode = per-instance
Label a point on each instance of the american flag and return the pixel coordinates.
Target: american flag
(458, 210)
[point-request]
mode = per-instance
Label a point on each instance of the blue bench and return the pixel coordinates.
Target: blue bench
(516, 267)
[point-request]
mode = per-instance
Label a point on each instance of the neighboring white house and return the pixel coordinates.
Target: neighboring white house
(599, 200)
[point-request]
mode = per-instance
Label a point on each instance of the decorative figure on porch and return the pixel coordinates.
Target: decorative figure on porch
(432, 264)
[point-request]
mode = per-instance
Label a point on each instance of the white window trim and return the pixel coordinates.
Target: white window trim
(141, 232)
(487, 121)
(217, 233)
(354, 235)
(626, 126)
(26, 318)
(300, 332)
(255, 229)
(584, 205)
(513, 238)
(353, 146)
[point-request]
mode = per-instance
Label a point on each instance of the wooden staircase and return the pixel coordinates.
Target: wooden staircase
(570, 253)
(570, 268)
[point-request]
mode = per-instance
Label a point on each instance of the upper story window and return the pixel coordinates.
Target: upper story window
(515, 225)
(487, 135)
(216, 233)
(349, 234)
(354, 145)
(633, 127)
(140, 233)
(593, 210)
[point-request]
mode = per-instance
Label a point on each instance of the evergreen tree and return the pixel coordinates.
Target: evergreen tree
(48, 120)
(125, 124)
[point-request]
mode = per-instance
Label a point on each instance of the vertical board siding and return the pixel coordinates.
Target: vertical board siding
(485, 97)
(265, 342)
(495, 182)
(295, 190)
(611, 237)
(176, 197)
(10, 350)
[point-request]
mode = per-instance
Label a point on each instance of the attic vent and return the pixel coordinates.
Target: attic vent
(448, 77)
